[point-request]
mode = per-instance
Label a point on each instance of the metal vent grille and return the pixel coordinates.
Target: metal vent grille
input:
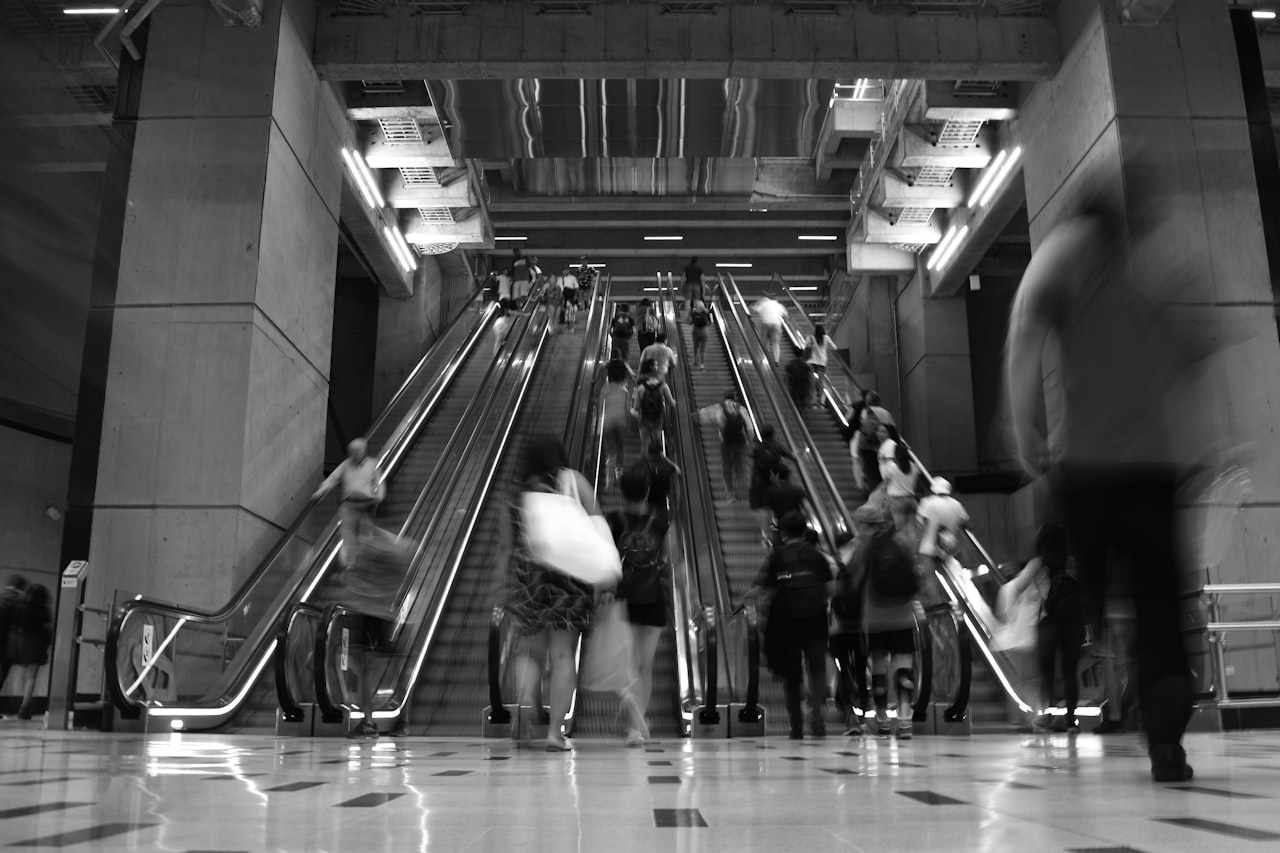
(382, 87)
(95, 97)
(436, 248)
(400, 129)
(439, 7)
(436, 215)
(934, 176)
(360, 8)
(1020, 8)
(976, 88)
(708, 7)
(915, 216)
(914, 248)
(41, 17)
(814, 7)
(419, 176)
(959, 132)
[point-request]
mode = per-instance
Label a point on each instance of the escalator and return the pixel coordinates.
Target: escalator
(212, 661)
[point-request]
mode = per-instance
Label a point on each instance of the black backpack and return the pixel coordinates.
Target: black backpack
(735, 426)
(652, 405)
(802, 580)
(641, 552)
(1063, 598)
(700, 317)
(891, 569)
(622, 327)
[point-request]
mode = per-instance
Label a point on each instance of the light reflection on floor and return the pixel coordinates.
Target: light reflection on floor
(180, 792)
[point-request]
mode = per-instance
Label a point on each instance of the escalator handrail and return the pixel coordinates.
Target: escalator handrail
(841, 405)
(329, 712)
(497, 624)
(702, 528)
(440, 578)
(751, 711)
(801, 445)
(185, 614)
(290, 709)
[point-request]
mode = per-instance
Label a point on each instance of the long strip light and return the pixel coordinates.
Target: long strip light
(355, 178)
(1264, 15)
(363, 178)
(664, 238)
(943, 245)
(1000, 177)
(399, 248)
(734, 266)
(91, 10)
(817, 237)
(803, 288)
(945, 256)
(987, 177)
(511, 238)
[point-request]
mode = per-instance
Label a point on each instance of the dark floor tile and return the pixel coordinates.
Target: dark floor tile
(43, 781)
(1221, 828)
(664, 818)
(850, 754)
(296, 752)
(441, 754)
(1048, 768)
(904, 764)
(82, 836)
(1103, 850)
(215, 851)
(225, 777)
(366, 801)
(664, 780)
(1217, 792)
(294, 786)
(840, 771)
(497, 758)
(793, 758)
(931, 798)
(23, 811)
(659, 763)
(452, 773)
(1019, 786)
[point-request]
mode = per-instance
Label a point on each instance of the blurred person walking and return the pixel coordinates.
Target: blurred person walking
(730, 420)
(770, 313)
(615, 401)
(660, 354)
(820, 349)
(11, 599)
(695, 288)
(700, 320)
(30, 635)
(362, 491)
(621, 330)
(766, 460)
(891, 610)
(1116, 471)
(651, 403)
(661, 475)
(647, 326)
(898, 474)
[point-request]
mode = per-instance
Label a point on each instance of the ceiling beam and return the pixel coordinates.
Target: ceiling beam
(456, 194)
(576, 205)
(832, 225)
(498, 39)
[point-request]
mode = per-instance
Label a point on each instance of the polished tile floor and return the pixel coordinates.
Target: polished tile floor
(185, 792)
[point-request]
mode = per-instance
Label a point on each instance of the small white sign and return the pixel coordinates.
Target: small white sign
(346, 639)
(71, 574)
(148, 641)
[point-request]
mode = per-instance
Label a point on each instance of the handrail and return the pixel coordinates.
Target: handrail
(751, 711)
(802, 444)
(290, 709)
(705, 543)
(419, 413)
(329, 712)
(432, 586)
(1241, 588)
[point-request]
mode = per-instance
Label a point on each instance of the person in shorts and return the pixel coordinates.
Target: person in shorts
(890, 614)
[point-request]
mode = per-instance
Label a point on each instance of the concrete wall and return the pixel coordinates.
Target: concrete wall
(866, 333)
(355, 347)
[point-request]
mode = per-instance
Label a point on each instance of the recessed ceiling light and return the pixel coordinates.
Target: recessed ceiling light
(817, 237)
(744, 266)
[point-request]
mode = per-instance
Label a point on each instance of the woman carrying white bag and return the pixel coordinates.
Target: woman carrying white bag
(558, 547)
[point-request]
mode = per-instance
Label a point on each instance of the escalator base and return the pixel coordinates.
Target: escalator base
(710, 731)
(752, 728)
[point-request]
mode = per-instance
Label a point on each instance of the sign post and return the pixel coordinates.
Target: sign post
(65, 665)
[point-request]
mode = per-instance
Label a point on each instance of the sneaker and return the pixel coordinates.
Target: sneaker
(365, 730)
(796, 733)
(853, 727)
(904, 730)
(634, 738)
(1042, 725)
(883, 728)
(1169, 764)
(1073, 726)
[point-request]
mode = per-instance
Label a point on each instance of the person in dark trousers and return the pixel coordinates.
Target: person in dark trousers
(661, 475)
(768, 458)
(31, 634)
(700, 320)
(848, 641)
(730, 420)
(800, 578)
(651, 403)
(11, 599)
(800, 380)
(1092, 290)
(522, 275)
(694, 287)
(647, 325)
(621, 330)
(783, 497)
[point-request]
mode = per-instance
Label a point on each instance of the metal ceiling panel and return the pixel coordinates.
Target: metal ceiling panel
(509, 119)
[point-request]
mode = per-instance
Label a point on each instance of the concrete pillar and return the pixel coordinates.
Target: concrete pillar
(213, 419)
(1169, 97)
(866, 331)
(936, 415)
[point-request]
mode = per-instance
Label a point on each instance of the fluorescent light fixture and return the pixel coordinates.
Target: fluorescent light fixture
(399, 248)
(1000, 178)
(951, 250)
(652, 289)
(511, 238)
(1264, 15)
(597, 266)
(942, 247)
(664, 238)
(803, 289)
(112, 10)
(987, 177)
(734, 266)
(368, 176)
(817, 237)
(355, 178)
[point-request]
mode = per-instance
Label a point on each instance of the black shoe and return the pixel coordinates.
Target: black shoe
(365, 730)
(797, 733)
(24, 714)
(1169, 764)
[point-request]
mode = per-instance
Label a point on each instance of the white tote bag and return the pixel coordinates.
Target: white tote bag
(608, 657)
(1021, 617)
(563, 536)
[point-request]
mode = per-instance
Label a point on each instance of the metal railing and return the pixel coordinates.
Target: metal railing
(291, 570)
(1217, 630)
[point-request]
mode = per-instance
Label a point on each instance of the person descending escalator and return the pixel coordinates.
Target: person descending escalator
(621, 330)
(767, 459)
(647, 325)
(783, 496)
(362, 491)
(615, 401)
(700, 320)
(800, 380)
(799, 576)
(660, 354)
(730, 420)
(651, 404)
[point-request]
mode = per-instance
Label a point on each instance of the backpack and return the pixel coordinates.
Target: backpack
(802, 581)
(649, 324)
(1063, 598)
(652, 405)
(767, 459)
(641, 552)
(735, 426)
(701, 318)
(891, 569)
(621, 327)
